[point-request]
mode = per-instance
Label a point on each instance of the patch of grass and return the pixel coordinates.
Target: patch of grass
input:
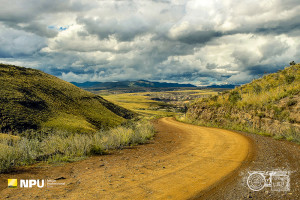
(69, 123)
(279, 137)
(290, 138)
(264, 133)
(8, 137)
(60, 146)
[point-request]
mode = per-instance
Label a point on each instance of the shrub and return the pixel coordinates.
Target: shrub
(214, 98)
(289, 78)
(291, 102)
(261, 115)
(257, 88)
(234, 97)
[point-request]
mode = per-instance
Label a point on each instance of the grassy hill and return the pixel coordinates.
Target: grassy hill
(31, 99)
(269, 106)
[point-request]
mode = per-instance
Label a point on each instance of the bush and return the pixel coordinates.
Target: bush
(234, 97)
(62, 146)
(214, 98)
(291, 102)
(289, 78)
(257, 88)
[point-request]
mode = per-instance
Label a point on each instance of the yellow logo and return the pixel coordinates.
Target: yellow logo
(12, 183)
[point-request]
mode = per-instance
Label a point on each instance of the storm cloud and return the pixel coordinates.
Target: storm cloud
(200, 42)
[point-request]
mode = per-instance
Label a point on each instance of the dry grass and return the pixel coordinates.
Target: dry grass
(268, 106)
(64, 147)
(138, 102)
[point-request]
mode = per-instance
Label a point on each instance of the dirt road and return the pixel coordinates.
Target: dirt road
(182, 162)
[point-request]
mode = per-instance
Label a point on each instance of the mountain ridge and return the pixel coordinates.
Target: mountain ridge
(129, 84)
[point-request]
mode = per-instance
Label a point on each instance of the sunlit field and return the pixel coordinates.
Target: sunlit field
(140, 103)
(166, 103)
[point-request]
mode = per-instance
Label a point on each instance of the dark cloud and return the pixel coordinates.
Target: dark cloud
(279, 27)
(211, 66)
(262, 69)
(199, 37)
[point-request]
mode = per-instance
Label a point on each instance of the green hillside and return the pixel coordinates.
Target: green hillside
(31, 99)
(269, 105)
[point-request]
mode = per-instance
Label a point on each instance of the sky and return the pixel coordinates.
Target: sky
(201, 42)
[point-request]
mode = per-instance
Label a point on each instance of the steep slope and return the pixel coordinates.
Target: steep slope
(269, 105)
(31, 99)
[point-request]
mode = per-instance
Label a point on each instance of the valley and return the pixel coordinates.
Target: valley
(115, 143)
(163, 103)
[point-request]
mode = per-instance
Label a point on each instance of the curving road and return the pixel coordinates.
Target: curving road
(183, 162)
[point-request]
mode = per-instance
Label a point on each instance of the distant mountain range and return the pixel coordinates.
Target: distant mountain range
(228, 86)
(141, 84)
(130, 84)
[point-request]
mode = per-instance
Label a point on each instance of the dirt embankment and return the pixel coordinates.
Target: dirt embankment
(251, 120)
